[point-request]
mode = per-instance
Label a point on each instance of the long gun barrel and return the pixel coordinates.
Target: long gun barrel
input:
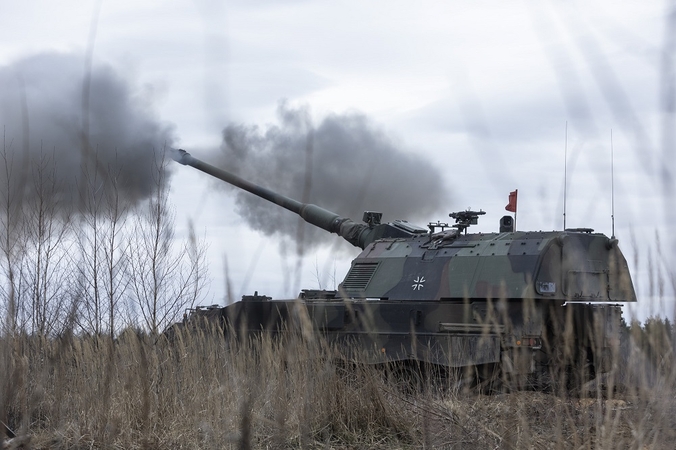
(357, 234)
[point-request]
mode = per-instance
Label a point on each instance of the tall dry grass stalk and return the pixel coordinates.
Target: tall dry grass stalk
(200, 390)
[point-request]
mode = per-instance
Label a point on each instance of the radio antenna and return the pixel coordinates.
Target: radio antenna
(612, 185)
(565, 176)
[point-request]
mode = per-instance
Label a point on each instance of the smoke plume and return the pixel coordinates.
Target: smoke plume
(79, 121)
(346, 164)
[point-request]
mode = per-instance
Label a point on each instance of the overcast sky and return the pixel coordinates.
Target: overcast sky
(474, 98)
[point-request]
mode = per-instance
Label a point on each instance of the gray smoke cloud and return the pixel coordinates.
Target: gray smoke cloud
(42, 111)
(345, 164)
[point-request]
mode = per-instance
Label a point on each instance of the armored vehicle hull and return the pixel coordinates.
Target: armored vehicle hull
(533, 304)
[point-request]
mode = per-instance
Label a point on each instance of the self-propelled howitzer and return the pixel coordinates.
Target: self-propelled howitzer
(529, 303)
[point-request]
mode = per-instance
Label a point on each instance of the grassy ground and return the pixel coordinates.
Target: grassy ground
(198, 392)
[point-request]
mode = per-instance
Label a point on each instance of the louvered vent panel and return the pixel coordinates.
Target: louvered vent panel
(359, 277)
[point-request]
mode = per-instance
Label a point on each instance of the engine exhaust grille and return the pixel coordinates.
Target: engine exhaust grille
(359, 277)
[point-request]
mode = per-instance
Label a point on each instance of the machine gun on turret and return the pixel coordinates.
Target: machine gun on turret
(463, 219)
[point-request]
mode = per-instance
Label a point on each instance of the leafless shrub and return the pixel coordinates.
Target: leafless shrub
(163, 281)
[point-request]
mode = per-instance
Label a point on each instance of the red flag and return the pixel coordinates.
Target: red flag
(511, 206)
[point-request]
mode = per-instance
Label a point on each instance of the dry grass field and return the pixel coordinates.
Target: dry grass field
(198, 391)
(84, 363)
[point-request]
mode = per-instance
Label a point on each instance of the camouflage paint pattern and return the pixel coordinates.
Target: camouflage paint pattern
(474, 299)
(555, 266)
(523, 300)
